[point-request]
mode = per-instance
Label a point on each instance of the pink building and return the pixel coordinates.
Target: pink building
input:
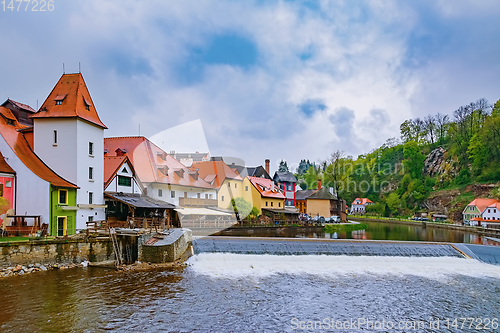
(7, 190)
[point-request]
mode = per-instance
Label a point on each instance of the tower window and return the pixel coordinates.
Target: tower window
(55, 137)
(91, 148)
(91, 197)
(91, 173)
(63, 197)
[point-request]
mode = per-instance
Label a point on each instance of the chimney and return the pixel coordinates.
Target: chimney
(319, 184)
(267, 165)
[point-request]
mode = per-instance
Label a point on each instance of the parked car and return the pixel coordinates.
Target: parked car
(333, 219)
(319, 220)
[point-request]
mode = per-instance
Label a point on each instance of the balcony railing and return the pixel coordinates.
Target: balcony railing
(195, 202)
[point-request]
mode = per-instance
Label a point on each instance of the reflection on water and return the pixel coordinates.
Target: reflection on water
(248, 293)
(376, 231)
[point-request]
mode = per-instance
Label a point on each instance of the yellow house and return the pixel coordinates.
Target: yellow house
(316, 202)
(228, 182)
(262, 193)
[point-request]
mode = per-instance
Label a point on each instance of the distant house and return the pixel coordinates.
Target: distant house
(475, 209)
(189, 158)
(359, 204)
(21, 111)
(263, 193)
(320, 202)
(490, 217)
(492, 212)
(228, 182)
(163, 177)
(239, 166)
(286, 182)
(38, 192)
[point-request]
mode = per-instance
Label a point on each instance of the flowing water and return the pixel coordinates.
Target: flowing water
(227, 292)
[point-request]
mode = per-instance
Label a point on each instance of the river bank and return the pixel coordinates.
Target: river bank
(425, 224)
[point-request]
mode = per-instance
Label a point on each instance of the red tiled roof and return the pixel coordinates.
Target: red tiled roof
(16, 141)
(151, 163)
(219, 170)
(21, 105)
(364, 201)
(111, 166)
(4, 166)
(481, 203)
(6, 113)
(266, 187)
(71, 88)
(495, 205)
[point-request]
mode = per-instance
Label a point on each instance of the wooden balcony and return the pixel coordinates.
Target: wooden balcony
(195, 202)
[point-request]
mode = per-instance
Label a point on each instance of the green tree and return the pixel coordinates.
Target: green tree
(393, 202)
(241, 207)
(254, 213)
(283, 166)
(414, 159)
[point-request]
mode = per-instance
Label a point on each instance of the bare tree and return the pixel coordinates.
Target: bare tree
(430, 127)
(338, 169)
(442, 122)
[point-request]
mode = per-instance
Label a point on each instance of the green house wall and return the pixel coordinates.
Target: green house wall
(56, 211)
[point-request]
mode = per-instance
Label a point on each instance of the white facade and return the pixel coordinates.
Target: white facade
(492, 213)
(69, 156)
(155, 189)
(124, 171)
(33, 189)
(358, 209)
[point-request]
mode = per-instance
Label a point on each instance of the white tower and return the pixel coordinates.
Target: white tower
(69, 138)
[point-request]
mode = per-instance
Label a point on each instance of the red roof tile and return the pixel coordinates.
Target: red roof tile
(151, 162)
(21, 105)
(266, 187)
(4, 166)
(364, 201)
(481, 203)
(218, 170)
(70, 88)
(495, 205)
(111, 166)
(6, 113)
(15, 139)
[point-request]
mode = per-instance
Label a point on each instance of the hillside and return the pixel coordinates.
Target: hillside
(439, 165)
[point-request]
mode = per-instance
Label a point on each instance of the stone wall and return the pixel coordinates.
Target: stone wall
(55, 252)
(167, 249)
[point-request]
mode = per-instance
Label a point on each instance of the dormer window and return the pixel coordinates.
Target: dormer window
(163, 170)
(162, 155)
(59, 99)
(87, 104)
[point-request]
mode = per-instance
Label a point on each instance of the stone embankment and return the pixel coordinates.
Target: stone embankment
(33, 268)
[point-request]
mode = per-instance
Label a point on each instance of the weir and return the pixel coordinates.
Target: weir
(274, 246)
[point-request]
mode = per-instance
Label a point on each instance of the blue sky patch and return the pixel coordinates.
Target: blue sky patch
(311, 107)
(229, 49)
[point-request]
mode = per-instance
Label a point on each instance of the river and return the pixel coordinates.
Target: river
(228, 292)
(375, 231)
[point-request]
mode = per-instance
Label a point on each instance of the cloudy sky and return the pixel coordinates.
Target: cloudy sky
(267, 79)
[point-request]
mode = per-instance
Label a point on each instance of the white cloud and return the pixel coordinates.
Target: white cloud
(355, 56)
